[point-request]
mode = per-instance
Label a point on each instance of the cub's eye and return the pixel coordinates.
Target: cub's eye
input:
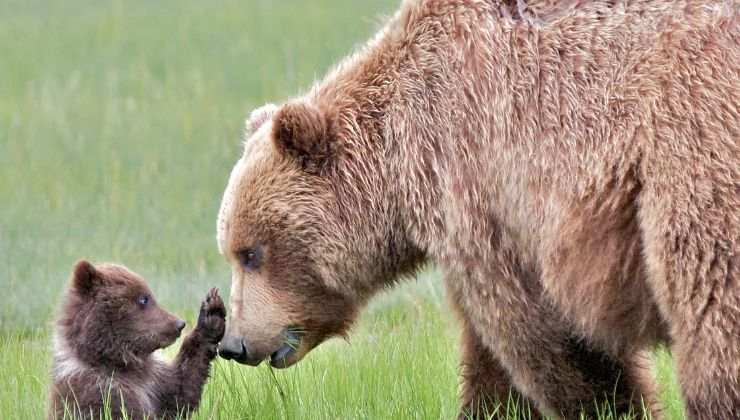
(143, 300)
(250, 258)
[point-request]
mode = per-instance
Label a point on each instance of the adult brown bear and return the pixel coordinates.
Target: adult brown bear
(576, 174)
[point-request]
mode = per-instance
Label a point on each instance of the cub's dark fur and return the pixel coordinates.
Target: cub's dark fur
(108, 329)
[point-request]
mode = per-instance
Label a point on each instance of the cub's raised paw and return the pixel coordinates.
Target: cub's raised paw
(212, 317)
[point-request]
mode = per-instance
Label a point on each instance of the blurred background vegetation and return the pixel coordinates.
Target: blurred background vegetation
(120, 122)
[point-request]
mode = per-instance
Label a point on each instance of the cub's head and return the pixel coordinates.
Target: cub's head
(110, 316)
(306, 230)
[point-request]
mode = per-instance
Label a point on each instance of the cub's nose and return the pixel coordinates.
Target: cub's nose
(180, 324)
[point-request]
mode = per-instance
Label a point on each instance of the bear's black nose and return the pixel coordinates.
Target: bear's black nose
(233, 348)
(180, 324)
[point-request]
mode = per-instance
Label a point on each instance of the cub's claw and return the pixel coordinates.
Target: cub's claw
(212, 317)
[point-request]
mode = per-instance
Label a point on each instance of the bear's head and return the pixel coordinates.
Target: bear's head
(110, 317)
(309, 232)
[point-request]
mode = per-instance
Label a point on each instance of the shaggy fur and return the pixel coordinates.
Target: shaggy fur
(573, 167)
(103, 347)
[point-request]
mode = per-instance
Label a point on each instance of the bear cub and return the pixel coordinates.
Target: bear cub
(107, 332)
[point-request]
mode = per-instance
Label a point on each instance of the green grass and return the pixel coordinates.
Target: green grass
(119, 124)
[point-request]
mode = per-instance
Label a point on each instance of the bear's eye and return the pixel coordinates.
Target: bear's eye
(250, 258)
(143, 300)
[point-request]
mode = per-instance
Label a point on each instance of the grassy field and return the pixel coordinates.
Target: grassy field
(119, 124)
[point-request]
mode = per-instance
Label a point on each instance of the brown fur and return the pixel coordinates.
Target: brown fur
(104, 342)
(573, 167)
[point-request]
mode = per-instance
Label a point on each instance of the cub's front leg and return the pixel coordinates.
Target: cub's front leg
(189, 372)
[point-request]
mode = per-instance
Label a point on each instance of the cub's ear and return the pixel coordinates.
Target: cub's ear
(84, 277)
(258, 117)
(301, 130)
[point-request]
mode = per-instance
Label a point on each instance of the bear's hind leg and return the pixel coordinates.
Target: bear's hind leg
(690, 221)
(696, 278)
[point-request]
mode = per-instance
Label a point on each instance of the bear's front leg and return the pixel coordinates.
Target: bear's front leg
(190, 369)
(487, 391)
(561, 374)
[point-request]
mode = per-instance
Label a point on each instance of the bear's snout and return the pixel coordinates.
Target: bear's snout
(234, 348)
(281, 353)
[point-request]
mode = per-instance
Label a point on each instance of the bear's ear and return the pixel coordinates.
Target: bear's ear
(258, 117)
(84, 277)
(301, 130)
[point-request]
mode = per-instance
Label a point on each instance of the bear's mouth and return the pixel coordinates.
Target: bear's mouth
(283, 356)
(237, 349)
